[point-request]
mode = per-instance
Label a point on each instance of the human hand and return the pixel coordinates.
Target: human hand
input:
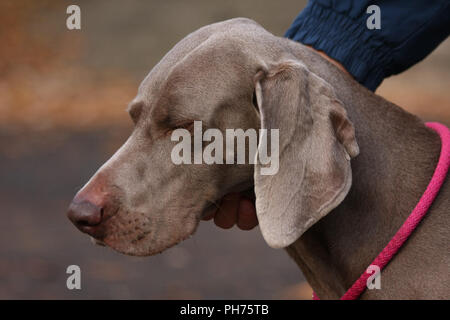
(235, 209)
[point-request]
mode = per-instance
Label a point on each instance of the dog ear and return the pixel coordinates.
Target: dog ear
(316, 142)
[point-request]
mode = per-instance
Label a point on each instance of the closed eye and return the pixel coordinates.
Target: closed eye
(171, 127)
(188, 125)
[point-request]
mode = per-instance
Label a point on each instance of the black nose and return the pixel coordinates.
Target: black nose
(86, 216)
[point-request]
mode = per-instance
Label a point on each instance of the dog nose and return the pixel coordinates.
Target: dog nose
(92, 206)
(86, 216)
(88, 207)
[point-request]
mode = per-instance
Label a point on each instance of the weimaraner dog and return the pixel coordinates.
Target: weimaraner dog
(352, 165)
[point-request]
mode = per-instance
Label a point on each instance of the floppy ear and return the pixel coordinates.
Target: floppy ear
(316, 142)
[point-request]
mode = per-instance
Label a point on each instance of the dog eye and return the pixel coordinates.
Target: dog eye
(171, 127)
(183, 125)
(188, 125)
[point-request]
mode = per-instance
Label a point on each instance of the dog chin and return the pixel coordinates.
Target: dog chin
(141, 247)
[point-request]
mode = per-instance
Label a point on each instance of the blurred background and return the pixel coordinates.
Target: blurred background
(63, 95)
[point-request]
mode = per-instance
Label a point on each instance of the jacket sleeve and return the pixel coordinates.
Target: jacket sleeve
(410, 30)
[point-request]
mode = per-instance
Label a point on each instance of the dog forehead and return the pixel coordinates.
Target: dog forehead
(225, 45)
(207, 65)
(200, 77)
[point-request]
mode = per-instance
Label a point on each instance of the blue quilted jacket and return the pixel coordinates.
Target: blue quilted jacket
(409, 31)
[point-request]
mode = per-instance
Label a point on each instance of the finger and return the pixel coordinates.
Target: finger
(247, 218)
(226, 216)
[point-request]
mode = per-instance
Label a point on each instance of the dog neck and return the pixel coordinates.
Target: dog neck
(397, 160)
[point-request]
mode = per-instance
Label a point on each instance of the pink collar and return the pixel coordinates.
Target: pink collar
(414, 218)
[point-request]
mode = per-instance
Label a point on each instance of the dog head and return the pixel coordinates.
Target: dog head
(229, 75)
